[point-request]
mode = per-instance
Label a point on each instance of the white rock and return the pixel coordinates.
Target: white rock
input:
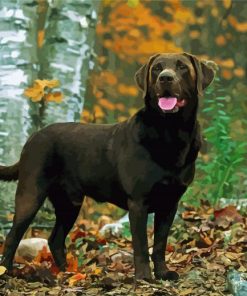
(30, 247)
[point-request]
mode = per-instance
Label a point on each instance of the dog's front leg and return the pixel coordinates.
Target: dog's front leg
(162, 225)
(138, 224)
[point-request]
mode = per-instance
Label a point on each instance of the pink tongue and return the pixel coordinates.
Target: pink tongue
(167, 103)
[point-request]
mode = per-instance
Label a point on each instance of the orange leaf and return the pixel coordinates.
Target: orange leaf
(241, 27)
(40, 38)
(43, 255)
(120, 107)
(47, 83)
(77, 277)
(230, 212)
(170, 248)
(54, 97)
(195, 34)
(98, 112)
(98, 94)
(86, 116)
(228, 63)
(35, 93)
(72, 262)
(74, 235)
(239, 72)
(132, 91)
(220, 40)
(227, 74)
(206, 239)
(108, 105)
(109, 77)
(98, 271)
(135, 33)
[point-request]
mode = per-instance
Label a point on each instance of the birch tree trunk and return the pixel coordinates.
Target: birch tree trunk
(40, 40)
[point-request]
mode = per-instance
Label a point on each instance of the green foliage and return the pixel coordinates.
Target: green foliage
(126, 230)
(219, 174)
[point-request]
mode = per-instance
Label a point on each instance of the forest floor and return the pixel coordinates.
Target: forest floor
(204, 246)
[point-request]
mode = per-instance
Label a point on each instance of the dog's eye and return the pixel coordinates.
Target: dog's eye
(182, 66)
(157, 68)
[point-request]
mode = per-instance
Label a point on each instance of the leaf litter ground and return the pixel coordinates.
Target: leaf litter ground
(204, 245)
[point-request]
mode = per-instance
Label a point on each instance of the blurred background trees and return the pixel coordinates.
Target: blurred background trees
(130, 31)
(41, 40)
(57, 40)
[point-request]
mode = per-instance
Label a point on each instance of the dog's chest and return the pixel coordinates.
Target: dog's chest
(169, 148)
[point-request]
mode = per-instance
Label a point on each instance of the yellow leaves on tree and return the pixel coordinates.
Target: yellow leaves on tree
(47, 83)
(104, 85)
(227, 74)
(133, 30)
(108, 77)
(137, 32)
(194, 34)
(239, 72)
(87, 116)
(98, 112)
(220, 40)
(40, 90)
(133, 3)
(227, 63)
(239, 26)
(56, 97)
(127, 90)
(35, 93)
(228, 68)
(107, 104)
(40, 38)
(227, 3)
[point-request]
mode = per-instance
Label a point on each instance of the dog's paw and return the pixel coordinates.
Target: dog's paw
(166, 275)
(143, 274)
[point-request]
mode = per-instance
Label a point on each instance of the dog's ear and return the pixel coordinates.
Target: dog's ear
(204, 73)
(141, 76)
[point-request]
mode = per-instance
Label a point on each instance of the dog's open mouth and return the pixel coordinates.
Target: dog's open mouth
(170, 104)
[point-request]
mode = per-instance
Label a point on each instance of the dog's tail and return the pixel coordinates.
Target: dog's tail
(9, 173)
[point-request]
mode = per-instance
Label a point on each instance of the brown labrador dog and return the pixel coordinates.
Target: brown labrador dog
(142, 165)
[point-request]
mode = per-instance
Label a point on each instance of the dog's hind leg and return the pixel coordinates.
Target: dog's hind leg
(28, 200)
(66, 214)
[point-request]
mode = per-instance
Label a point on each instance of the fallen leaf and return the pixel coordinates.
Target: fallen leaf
(180, 259)
(3, 269)
(77, 233)
(233, 256)
(185, 292)
(229, 213)
(75, 278)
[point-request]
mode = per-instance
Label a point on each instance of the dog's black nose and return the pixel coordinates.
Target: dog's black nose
(166, 76)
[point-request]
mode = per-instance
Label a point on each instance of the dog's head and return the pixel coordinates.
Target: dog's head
(171, 82)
